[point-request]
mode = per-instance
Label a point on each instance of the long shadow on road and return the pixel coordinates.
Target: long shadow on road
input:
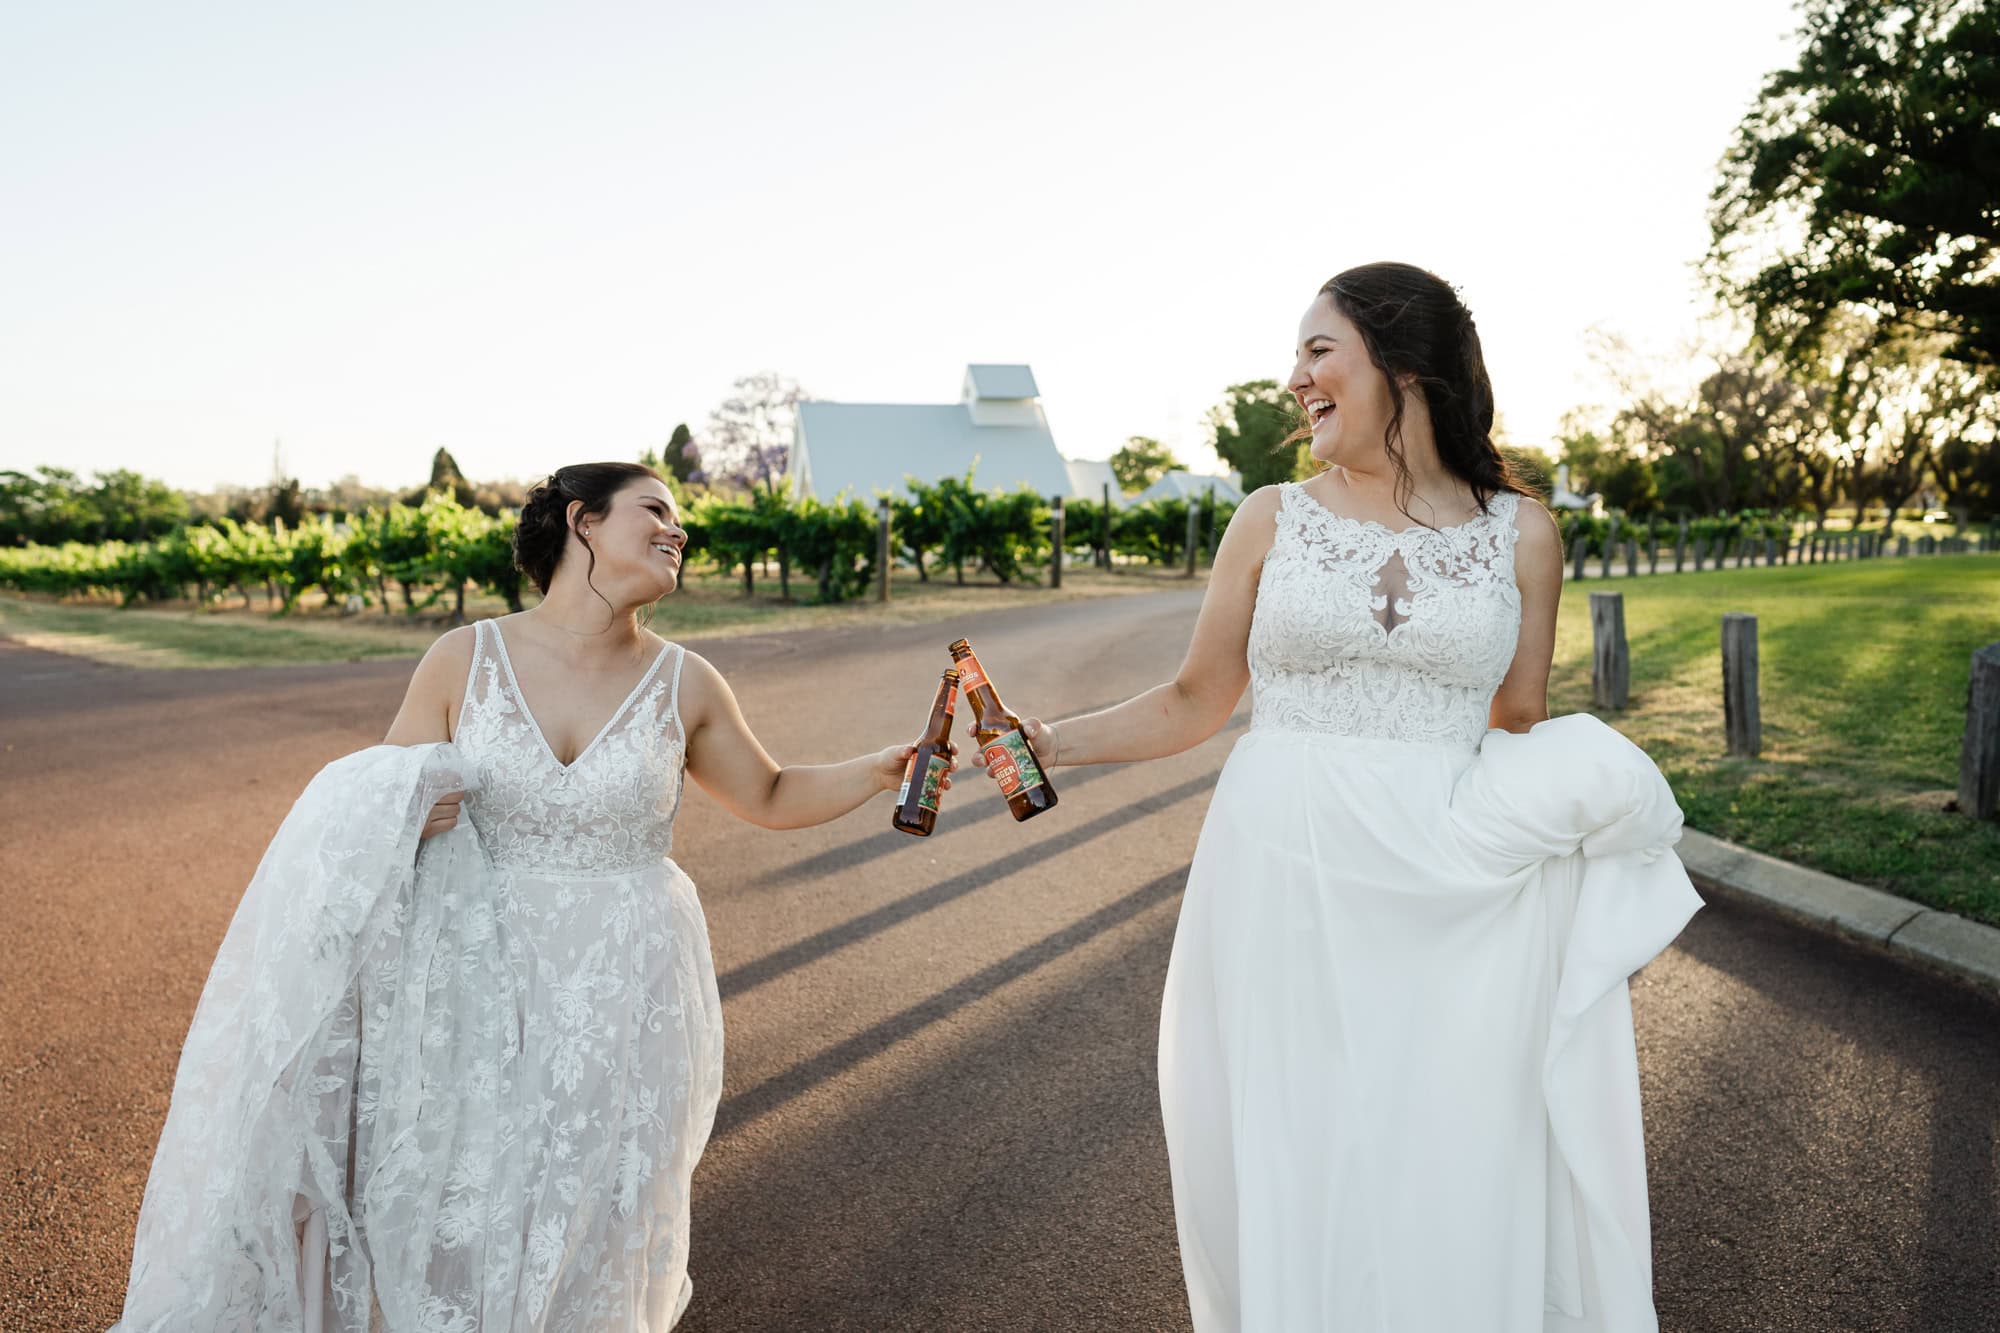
(781, 1088)
(1011, 1175)
(738, 980)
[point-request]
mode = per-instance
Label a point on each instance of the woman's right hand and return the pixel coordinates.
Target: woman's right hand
(443, 817)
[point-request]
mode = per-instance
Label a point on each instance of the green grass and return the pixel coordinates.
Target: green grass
(1863, 670)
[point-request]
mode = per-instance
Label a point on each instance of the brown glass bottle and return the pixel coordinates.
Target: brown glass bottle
(923, 778)
(1004, 747)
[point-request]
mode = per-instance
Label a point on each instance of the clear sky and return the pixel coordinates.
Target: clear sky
(536, 234)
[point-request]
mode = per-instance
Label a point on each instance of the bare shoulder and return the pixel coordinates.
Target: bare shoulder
(702, 688)
(1255, 523)
(1538, 549)
(430, 705)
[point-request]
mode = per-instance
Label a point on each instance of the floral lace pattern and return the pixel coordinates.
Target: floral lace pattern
(1364, 630)
(610, 809)
(455, 1087)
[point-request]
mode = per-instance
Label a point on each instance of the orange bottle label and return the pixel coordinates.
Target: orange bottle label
(1012, 763)
(970, 677)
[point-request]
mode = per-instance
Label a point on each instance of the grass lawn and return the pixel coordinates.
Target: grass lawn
(709, 606)
(1863, 672)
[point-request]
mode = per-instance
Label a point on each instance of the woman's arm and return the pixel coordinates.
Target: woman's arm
(729, 763)
(426, 715)
(1191, 707)
(1523, 697)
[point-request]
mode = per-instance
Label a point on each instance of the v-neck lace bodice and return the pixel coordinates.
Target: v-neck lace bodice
(1365, 630)
(609, 810)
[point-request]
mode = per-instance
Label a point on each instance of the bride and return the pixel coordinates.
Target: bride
(1397, 1071)
(462, 1089)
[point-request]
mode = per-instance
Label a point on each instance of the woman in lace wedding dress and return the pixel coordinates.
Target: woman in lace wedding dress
(462, 1090)
(1397, 1071)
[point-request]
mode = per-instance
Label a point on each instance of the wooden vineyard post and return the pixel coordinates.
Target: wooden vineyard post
(1740, 719)
(883, 547)
(1104, 528)
(1610, 658)
(1979, 759)
(1056, 533)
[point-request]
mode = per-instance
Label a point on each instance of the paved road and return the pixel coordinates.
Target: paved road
(940, 1110)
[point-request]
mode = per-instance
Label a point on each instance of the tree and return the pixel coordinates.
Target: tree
(1865, 177)
(1252, 430)
(1141, 462)
(749, 436)
(681, 459)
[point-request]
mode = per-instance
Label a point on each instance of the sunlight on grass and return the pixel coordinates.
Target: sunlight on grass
(1862, 692)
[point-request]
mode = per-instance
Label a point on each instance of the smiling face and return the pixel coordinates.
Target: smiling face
(1343, 394)
(638, 541)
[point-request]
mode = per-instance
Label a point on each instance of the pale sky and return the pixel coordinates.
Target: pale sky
(540, 234)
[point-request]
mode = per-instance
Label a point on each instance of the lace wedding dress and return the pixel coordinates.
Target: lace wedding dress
(1396, 1054)
(458, 1089)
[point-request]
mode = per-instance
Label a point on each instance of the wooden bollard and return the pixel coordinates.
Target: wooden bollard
(1902, 544)
(1770, 552)
(1680, 549)
(1193, 534)
(1056, 531)
(1610, 545)
(1610, 658)
(1741, 723)
(1578, 556)
(1700, 546)
(1979, 760)
(882, 551)
(1652, 553)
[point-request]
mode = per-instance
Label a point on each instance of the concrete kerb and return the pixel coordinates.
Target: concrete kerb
(1938, 942)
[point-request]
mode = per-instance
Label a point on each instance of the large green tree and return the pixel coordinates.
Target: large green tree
(1868, 178)
(1141, 462)
(1252, 429)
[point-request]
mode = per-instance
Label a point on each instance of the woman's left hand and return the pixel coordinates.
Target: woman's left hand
(889, 766)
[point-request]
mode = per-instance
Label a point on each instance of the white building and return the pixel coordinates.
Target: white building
(862, 448)
(1089, 476)
(1177, 484)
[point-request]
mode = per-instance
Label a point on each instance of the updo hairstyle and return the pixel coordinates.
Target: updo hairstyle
(542, 532)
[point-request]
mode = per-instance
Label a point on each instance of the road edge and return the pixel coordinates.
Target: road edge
(1940, 943)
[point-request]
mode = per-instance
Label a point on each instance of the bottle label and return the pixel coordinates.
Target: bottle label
(951, 704)
(970, 677)
(1012, 763)
(933, 790)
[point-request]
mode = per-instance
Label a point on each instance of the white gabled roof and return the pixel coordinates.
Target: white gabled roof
(991, 381)
(861, 448)
(1089, 476)
(1181, 485)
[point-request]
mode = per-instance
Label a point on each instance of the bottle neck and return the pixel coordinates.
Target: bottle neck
(942, 709)
(978, 688)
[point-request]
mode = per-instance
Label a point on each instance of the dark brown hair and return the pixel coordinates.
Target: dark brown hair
(1419, 333)
(542, 532)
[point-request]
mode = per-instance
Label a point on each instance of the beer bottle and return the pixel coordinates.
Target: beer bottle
(1004, 746)
(923, 776)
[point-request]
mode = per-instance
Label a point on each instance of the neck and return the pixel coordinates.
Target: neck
(572, 612)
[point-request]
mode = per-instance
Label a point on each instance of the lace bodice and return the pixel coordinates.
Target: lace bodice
(1362, 630)
(609, 810)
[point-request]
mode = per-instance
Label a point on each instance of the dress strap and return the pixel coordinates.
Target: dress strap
(480, 629)
(674, 693)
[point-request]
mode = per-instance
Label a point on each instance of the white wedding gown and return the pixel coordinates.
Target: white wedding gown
(455, 1090)
(1396, 1053)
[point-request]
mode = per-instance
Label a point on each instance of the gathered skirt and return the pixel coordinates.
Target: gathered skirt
(1396, 1059)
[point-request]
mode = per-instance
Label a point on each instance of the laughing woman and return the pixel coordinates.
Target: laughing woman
(1396, 1056)
(462, 1089)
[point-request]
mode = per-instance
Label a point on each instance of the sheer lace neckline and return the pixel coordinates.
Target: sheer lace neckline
(1319, 508)
(534, 724)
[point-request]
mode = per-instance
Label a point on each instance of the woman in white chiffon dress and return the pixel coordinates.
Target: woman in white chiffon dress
(1396, 1057)
(462, 1089)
